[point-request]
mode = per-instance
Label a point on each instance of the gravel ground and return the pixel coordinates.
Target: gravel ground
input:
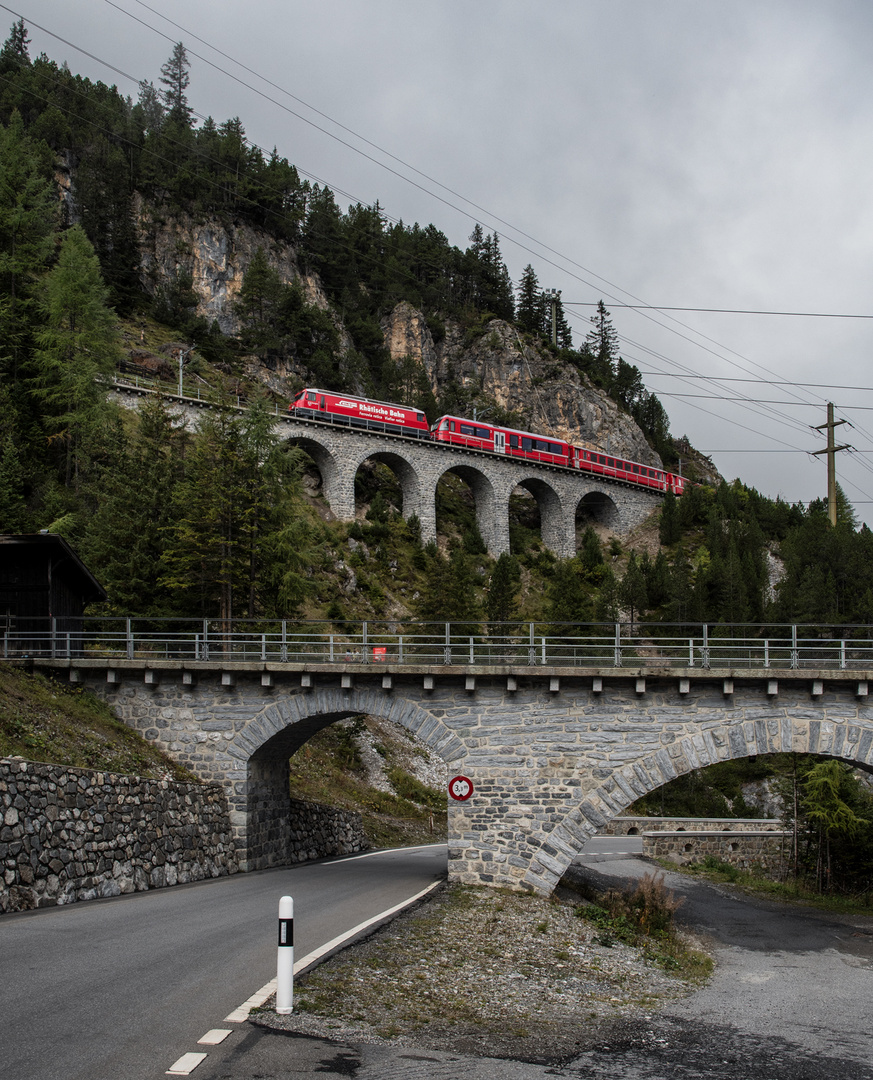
(478, 971)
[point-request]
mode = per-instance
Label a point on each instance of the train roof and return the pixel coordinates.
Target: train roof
(502, 427)
(357, 397)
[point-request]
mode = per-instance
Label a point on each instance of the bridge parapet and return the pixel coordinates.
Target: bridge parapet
(554, 750)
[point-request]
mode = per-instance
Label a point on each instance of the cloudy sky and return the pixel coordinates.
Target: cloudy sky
(669, 153)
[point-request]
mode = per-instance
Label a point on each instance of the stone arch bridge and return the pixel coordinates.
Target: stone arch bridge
(561, 495)
(553, 752)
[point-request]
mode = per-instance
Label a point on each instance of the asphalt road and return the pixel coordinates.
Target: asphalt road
(120, 989)
(790, 1000)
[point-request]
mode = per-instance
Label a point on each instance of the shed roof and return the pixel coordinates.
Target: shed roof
(64, 560)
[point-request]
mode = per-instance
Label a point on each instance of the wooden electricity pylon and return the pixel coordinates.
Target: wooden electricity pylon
(831, 452)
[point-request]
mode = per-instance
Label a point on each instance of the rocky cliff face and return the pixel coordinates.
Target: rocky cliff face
(216, 256)
(513, 370)
(522, 376)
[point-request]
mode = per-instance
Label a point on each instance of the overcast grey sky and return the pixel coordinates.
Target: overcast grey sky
(666, 152)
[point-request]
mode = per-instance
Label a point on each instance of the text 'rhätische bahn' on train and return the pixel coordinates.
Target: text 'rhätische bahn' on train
(313, 404)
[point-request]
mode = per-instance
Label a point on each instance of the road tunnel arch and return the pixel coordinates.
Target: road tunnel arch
(260, 800)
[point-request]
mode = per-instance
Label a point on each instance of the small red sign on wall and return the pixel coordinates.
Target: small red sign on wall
(460, 788)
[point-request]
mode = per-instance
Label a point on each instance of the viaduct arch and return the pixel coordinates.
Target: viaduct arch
(553, 753)
(338, 453)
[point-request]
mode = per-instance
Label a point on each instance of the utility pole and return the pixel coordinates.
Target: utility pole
(831, 452)
(182, 354)
(552, 297)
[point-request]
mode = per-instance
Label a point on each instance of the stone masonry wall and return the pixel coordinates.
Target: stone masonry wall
(75, 834)
(765, 850)
(319, 831)
(633, 826)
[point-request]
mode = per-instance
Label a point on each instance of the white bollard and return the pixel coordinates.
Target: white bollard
(285, 962)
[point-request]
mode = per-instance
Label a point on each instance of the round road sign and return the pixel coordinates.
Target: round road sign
(460, 788)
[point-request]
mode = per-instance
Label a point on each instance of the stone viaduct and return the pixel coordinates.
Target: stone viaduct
(561, 495)
(553, 753)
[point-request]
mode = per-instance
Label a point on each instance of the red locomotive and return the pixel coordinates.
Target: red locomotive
(313, 404)
(360, 412)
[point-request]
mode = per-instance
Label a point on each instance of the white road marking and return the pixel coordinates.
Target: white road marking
(214, 1036)
(186, 1064)
(266, 991)
(382, 851)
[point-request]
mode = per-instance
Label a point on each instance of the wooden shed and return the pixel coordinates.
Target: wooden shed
(44, 590)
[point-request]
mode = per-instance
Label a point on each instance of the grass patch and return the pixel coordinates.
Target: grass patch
(644, 916)
(791, 892)
(43, 719)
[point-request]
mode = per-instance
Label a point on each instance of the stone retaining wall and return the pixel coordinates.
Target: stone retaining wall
(766, 850)
(319, 831)
(634, 826)
(76, 834)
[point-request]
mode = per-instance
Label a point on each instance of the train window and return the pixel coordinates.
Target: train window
(610, 462)
(467, 429)
(451, 425)
(483, 433)
(527, 444)
(513, 441)
(310, 397)
(419, 417)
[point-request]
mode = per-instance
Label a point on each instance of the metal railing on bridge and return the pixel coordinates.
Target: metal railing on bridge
(600, 645)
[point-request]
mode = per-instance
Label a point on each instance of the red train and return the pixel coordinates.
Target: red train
(313, 404)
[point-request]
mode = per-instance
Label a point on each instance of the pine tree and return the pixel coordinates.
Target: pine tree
(669, 527)
(633, 594)
(174, 76)
(529, 308)
(501, 604)
(14, 54)
(601, 344)
(28, 216)
(129, 531)
(257, 306)
(78, 346)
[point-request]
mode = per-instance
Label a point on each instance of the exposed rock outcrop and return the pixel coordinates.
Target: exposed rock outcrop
(520, 375)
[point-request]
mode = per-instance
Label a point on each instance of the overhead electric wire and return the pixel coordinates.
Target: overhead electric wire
(723, 311)
(642, 308)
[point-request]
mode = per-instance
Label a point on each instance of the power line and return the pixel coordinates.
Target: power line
(766, 382)
(726, 311)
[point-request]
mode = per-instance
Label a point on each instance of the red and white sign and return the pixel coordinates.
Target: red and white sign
(460, 788)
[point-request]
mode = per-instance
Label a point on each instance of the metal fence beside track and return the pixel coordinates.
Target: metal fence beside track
(600, 645)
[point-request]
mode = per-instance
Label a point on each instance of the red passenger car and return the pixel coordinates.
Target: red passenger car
(474, 435)
(313, 404)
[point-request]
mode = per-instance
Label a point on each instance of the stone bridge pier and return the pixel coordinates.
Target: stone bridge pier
(561, 495)
(553, 753)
